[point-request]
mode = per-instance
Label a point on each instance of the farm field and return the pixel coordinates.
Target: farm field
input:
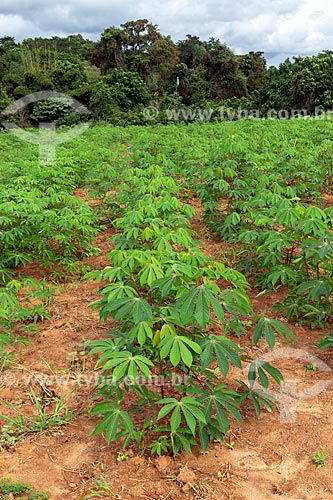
(201, 253)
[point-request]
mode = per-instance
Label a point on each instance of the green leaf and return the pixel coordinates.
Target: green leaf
(224, 350)
(190, 420)
(112, 427)
(265, 327)
(207, 356)
(193, 345)
(263, 378)
(187, 302)
(222, 417)
(175, 352)
(202, 312)
(141, 311)
(198, 414)
(185, 354)
(204, 438)
(166, 345)
(127, 421)
(120, 371)
(144, 330)
(166, 409)
(175, 419)
(273, 372)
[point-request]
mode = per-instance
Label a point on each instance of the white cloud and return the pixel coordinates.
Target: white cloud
(285, 27)
(15, 25)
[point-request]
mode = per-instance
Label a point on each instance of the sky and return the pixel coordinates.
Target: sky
(279, 28)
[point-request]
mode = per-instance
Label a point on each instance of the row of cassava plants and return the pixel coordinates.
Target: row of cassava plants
(285, 240)
(298, 152)
(41, 221)
(170, 347)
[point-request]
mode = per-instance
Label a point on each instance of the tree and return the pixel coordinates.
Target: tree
(4, 100)
(192, 52)
(253, 66)
(7, 43)
(127, 89)
(214, 72)
(223, 72)
(137, 47)
(163, 61)
(147, 52)
(72, 44)
(70, 73)
(108, 52)
(305, 84)
(193, 86)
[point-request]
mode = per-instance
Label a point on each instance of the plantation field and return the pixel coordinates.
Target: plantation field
(166, 313)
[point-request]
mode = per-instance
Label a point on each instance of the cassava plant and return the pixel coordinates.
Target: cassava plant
(173, 323)
(285, 242)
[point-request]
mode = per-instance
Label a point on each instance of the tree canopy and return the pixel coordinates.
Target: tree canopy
(134, 64)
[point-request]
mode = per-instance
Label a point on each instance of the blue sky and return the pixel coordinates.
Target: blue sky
(280, 28)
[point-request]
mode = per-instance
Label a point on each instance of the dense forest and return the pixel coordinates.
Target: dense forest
(134, 66)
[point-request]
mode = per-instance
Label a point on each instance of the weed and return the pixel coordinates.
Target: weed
(121, 456)
(311, 367)
(101, 490)
(10, 490)
(21, 425)
(319, 458)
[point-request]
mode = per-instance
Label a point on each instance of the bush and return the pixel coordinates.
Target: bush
(53, 109)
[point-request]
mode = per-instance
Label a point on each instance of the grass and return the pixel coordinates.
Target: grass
(21, 491)
(319, 458)
(101, 490)
(21, 425)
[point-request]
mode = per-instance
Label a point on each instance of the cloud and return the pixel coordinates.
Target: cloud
(282, 27)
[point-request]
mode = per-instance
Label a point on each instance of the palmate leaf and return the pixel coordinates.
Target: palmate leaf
(106, 346)
(315, 288)
(222, 402)
(114, 419)
(8, 302)
(259, 369)
(112, 273)
(165, 331)
(326, 342)
(118, 290)
(224, 350)
(194, 305)
(289, 216)
(321, 248)
(141, 331)
(258, 397)
(182, 438)
(151, 272)
(312, 226)
(210, 432)
(268, 328)
(179, 349)
(138, 309)
(165, 285)
(284, 274)
(187, 406)
(159, 445)
(119, 308)
(124, 363)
